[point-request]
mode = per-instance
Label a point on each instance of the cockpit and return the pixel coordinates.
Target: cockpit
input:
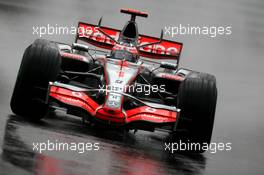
(124, 55)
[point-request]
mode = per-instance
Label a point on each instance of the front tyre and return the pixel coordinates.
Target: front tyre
(40, 65)
(197, 98)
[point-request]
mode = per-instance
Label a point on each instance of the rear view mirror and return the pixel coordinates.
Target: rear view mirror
(167, 65)
(80, 47)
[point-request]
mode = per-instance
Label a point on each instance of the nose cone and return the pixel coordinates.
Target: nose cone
(119, 76)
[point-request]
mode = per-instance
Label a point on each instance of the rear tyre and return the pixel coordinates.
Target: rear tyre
(40, 65)
(197, 98)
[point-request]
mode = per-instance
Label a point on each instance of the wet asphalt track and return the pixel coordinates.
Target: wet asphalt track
(236, 60)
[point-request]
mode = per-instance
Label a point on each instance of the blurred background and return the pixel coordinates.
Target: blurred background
(236, 60)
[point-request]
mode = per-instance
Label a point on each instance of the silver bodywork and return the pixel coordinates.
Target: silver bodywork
(118, 79)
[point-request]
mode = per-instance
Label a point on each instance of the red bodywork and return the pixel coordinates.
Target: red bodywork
(81, 100)
(165, 50)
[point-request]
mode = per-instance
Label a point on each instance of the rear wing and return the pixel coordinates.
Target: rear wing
(165, 50)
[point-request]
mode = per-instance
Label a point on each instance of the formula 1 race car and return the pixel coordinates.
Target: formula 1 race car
(133, 82)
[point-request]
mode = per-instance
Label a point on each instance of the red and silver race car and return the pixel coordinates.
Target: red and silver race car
(133, 82)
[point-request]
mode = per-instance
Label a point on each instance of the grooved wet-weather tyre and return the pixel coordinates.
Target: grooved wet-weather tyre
(197, 98)
(40, 65)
